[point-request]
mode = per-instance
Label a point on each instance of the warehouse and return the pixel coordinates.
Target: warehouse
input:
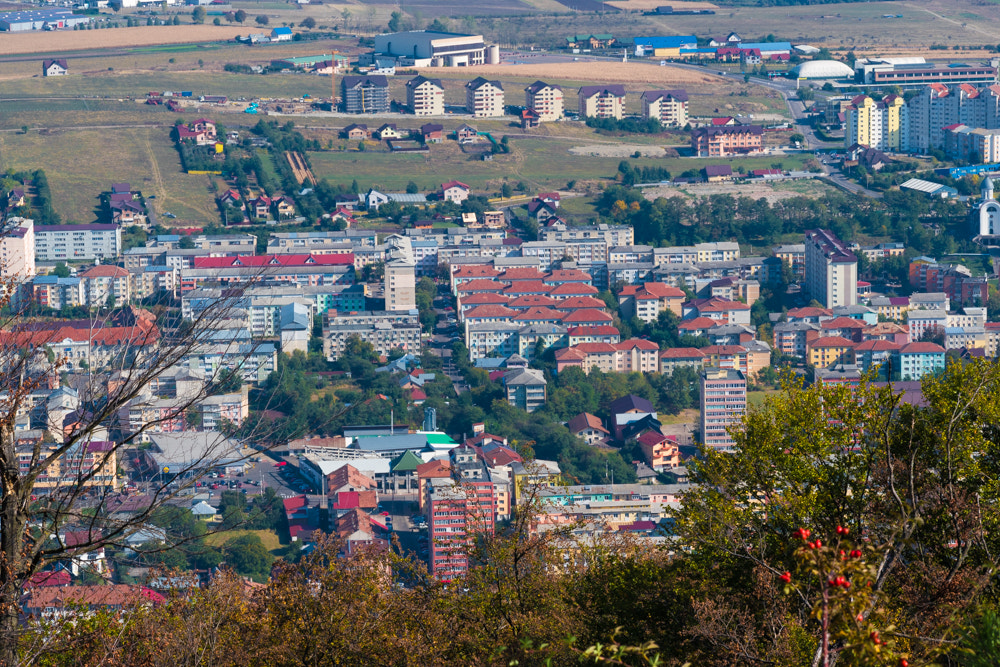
(47, 19)
(420, 48)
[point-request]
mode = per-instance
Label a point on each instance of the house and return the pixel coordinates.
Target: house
(600, 41)
(455, 191)
(588, 427)
(58, 67)
(356, 132)
(432, 133)
(525, 388)
(719, 141)
(284, 207)
(529, 119)
(388, 131)
(56, 602)
(660, 451)
(715, 173)
(283, 34)
(466, 134)
(602, 101)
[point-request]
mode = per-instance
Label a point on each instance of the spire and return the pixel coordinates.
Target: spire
(987, 189)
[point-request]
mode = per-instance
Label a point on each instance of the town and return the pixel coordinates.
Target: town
(415, 297)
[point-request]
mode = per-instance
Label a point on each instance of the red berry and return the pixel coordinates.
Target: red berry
(847, 531)
(842, 554)
(903, 663)
(847, 584)
(832, 582)
(818, 544)
(840, 530)
(786, 577)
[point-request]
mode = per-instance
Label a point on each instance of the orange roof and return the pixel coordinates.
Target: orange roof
(484, 298)
(564, 275)
(632, 343)
(530, 300)
(586, 315)
(830, 341)
(437, 468)
(698, 323)
(575, 302)
(877, 346)
(594, 348)
(105, 271)
(682, 353)
(598, 330)
(527, 287)
(719, 305)
(475, 271)
(808, 311)
(724, 349)
(660, 291)
(570, 354)
(521, 273)
(573, 289)
(481, 285)
(843, 323)
(922, 348)
(489, 312)
(539, 313)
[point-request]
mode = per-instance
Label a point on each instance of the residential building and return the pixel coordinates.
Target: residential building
(292, 269)
(106, 285)
(919, 359)
(670, 107)
(525, 388)
(633, 355)
(648, 300)
(57, 67)
(602, 101)
(365, 94)
(60, 243)
(18, 250)
(954, 280)
(723, 404)
(546, 100)
(455, 192)
(425, 97)
(831, 270)
(484, 98)
(727, 140)
(589, 428)
(676, 357)
(457, 511)
(57, 293)
(879, 125)
(829, 351)
(385, 330)
(400, 285)
(89, 464)
(660, 451)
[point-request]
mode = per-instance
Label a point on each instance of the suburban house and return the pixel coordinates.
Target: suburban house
(484, 98)
(283, 34)
(601, 41)
(466, 134)
(588, 427)
(58, 67)
(425, 97)
(606, 101)
(718, 172)
(455, 191)
(357, 132)
(529, 119)
(365, 94)
(670, 107)
(432, 133)
(388, 131)
(545, 100)
(201, 132)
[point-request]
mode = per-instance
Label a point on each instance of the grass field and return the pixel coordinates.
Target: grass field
(75, 40)
(80, 164)
(270, 539)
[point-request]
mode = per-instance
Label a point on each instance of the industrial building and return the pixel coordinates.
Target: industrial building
(420, 48)
(46, 19)
(916, 72)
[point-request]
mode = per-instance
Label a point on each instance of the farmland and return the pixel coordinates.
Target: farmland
(81, 40)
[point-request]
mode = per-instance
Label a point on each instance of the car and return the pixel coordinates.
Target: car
(281, 464)
(385, 514)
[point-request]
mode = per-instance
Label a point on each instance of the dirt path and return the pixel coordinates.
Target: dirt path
(965, 25)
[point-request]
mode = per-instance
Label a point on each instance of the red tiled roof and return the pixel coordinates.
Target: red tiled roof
(105, 271)
(598, 330)
(830, 341)
(724, 350)
(485, 298)
(594, 348)
(480, 285)
(573, 289)
(533, 300)
(922, 348)
(567, 275)
(585, 420)
(475, 271)
(682, 353)
(632, 343)
(453, 184)
(434, 469)
(660, 290)
(697, 323)
(808, 311)
(586, 315)
(843, 323)
(577, 302)
(484, 312)
(520, 273)
(651, 438)
(566, 353)
(877, 346)
(539, 313)
(527, 287)
(717, 305)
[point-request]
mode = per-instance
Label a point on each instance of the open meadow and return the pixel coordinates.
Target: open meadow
(81, 164)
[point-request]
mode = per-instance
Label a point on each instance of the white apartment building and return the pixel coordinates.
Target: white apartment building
(670, 107)
(17, 250)
(56, 243)
(831, 270)
(425, 97)
(602, 101)
(483, 98)
(545, 99)
(400, 285)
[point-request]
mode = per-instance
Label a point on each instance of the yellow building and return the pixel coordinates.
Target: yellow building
(90, 464)
(878, 125)
(830, 350)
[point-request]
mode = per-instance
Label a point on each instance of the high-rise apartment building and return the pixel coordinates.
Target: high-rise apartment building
(425, 97)
(723, 404)
(17, 250)
(670, 107)
(483, 98)
(602, 101)
(545, 99)
(831, 270)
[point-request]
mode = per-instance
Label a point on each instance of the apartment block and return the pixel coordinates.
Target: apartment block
(385, 330)
(831, 270)
(365, 94)
(457, 510)
(722, 141)
(607, 101)
(425, 97)
(484, 98)
(17, 249)
(670, 107)
(723, 404)
(544, 99)
(400, 285)
(59, 243)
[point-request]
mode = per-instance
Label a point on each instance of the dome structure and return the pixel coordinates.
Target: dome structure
(823, 69)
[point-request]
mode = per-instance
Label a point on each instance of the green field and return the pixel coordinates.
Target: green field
(80, 164)
(270, 539)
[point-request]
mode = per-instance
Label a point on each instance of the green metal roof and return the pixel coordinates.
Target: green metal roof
(405, 462)
(440, 439)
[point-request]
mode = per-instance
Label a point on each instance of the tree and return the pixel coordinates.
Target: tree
(505, 190)
(119, 373)
(176, 20)
(240, 15)
(262, 19)
(912, 481)
(395, 21)
(198, 14)
(247, 555)
(308, 22)
(61, 270)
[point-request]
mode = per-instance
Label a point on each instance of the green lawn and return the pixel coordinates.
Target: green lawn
(81, 164)
(270, 538)
(755, 399)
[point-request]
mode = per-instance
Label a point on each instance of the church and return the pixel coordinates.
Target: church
(989, 215)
